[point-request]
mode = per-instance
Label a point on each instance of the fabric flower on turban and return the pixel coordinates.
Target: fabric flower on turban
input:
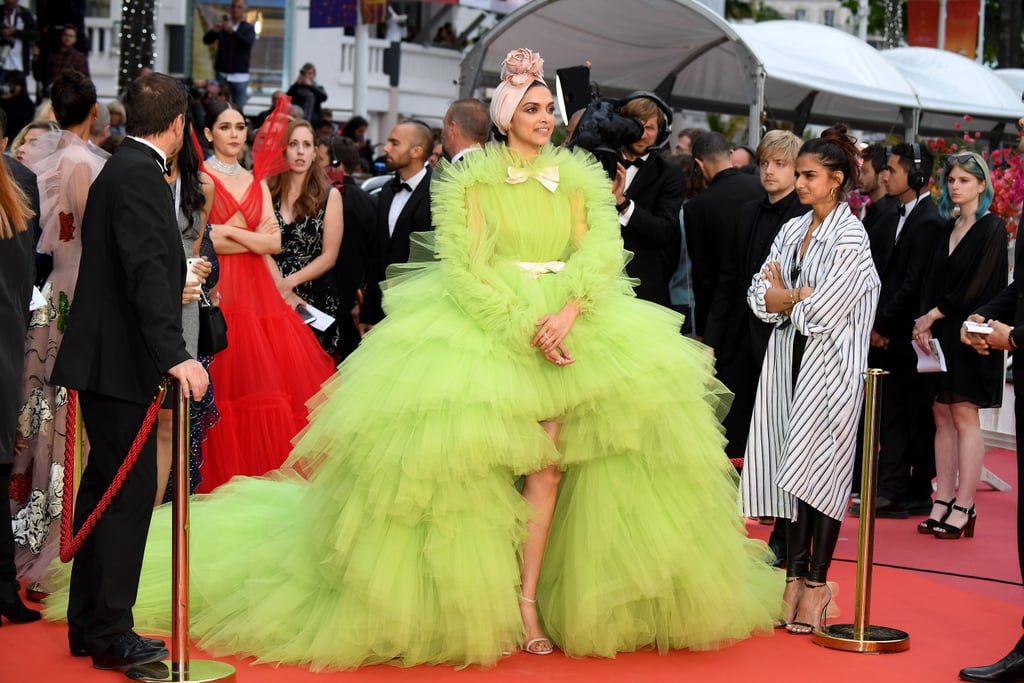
(521, 69)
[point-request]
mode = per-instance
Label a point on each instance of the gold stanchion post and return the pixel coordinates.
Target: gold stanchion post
(180, 668)
(860, 636)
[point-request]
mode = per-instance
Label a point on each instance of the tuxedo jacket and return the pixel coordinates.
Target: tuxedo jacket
(124, 328)
(653, 233)
(903, 275)
(713, 232)
(393, 248)
(880, 222)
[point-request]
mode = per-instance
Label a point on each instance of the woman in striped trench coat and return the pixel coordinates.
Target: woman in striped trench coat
(820, 288)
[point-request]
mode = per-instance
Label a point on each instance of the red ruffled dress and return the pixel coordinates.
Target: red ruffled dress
(273, 363)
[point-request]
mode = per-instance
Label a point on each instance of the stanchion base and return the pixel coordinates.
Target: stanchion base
(877, 640)
(196, 671)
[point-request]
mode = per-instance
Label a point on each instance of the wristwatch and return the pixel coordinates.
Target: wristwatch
(622, 206)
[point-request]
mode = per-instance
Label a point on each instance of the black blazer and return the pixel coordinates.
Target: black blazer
(880, 222)
(124, 329)
(360, 214)
(26, 180)
(393, 248)
(653, 233)
(1008, 307)
(903, 275)
(713, 232)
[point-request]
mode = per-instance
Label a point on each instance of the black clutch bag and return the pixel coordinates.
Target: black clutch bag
(213, 329)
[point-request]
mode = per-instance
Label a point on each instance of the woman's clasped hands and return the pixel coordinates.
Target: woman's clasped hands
(552, 331)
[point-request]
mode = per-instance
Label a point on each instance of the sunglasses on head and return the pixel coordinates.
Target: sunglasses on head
(959, 159)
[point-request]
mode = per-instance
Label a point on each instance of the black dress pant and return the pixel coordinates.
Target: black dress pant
(105, 577)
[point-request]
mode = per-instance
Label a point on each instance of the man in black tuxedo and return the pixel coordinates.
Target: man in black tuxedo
(739, 338)
(713, 220)
(648, 194)
(123, 334)
(906, 457)
(403, 207)
(1005, 313)
(17, 247)
(882, 214)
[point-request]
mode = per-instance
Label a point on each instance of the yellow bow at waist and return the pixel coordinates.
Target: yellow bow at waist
(547, 176)
(538, 269)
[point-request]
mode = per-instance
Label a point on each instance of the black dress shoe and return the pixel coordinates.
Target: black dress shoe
(884, 509)
(16, 612)
(127, 651)
(919, 508)
(1009, 668)
(78, 649)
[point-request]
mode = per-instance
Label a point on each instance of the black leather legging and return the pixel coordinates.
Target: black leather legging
(810, 542)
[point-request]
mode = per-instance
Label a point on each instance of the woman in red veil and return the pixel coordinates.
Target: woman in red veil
(273, 363)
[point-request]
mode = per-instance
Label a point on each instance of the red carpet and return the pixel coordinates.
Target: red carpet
(953, 622)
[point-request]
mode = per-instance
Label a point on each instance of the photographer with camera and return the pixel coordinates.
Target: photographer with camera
(18, 34)
(648, 193)
(234, 37)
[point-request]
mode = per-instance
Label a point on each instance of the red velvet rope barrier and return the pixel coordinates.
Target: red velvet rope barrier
(69, 545)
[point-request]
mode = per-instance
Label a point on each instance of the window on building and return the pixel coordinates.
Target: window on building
(830, 17)
(800, 15)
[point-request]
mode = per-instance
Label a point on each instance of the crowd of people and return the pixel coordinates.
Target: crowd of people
(505, 313)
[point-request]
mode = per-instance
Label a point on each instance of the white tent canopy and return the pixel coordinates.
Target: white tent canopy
(823, 75)
(950, 86)
(1013, 78)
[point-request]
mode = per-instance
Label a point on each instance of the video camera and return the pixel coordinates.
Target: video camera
(603, 130)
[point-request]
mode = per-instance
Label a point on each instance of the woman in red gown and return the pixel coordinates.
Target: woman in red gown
(273, 363)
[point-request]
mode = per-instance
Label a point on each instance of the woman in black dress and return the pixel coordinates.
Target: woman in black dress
(970, 268)
(309, 212)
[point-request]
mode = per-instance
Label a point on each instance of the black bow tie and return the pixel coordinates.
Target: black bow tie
(638, 162)
(398, 184)
(902, 209)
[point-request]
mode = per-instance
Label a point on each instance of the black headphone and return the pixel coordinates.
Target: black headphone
(665, 129)
(335, 161)
(916, 176)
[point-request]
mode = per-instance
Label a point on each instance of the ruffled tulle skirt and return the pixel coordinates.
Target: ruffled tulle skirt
(392, 534)
(273, 364)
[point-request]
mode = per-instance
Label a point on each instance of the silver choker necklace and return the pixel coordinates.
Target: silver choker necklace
(227, 169)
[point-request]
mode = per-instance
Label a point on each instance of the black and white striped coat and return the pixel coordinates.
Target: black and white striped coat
(802, 440)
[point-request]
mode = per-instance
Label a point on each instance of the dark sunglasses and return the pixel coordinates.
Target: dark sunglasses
(959, 159)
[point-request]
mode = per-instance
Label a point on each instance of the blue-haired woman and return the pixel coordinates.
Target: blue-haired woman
(969, 269)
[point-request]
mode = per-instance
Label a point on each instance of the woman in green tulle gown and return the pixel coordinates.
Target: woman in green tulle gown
(395, 532)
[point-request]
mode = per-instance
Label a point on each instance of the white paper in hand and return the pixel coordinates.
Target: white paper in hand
(38, 300)
(930, 359)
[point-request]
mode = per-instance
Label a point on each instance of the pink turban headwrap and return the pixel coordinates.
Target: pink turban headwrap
(521, 69)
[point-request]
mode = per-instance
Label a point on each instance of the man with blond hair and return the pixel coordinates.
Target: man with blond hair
(738, 337)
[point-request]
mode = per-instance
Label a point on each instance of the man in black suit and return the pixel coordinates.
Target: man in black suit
(17, 247)
(738, 337)
(882, 214)
(713, 220)
(403, 207)
(123, 334)
(906, 457)
(648, 194)
(1005, 313)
